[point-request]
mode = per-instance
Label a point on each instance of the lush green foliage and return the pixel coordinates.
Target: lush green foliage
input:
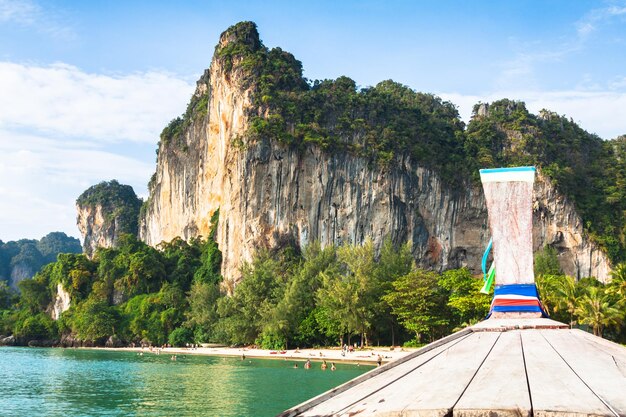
(173, 133)
(119, 204)
(322, 296)
(391, 121)
(587, 302)
(134, 292)
(328, 296)
(589, 171)
(33, 254)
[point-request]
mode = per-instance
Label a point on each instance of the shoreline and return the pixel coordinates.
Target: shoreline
(367, 356)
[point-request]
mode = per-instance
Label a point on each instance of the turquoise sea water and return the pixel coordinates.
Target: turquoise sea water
(80, 382)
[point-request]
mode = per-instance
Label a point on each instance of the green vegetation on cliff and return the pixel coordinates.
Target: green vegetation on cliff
(591, 172)
(391, 120)
(118, 202)
(31, 254)
(378, 122)
(335, 295)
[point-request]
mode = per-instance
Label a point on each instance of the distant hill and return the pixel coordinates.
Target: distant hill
(23, 258)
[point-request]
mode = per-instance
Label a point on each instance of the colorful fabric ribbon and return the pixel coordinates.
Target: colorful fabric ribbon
(520, 298)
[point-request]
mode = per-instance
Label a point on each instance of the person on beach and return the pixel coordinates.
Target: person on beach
(379, 360)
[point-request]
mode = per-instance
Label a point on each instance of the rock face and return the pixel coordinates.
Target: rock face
(95, 227)
(105, 211)
(61, 302)
(270, 194)
(19, 272)
(556, 223)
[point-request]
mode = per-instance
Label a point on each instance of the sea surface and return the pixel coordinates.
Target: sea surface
(82, 382)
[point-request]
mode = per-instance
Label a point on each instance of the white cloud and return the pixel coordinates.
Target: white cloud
(23, 12)
(596, 18)
(29, 14)
(63, 130)
(600, 112)
(63, 100)
(40, 178)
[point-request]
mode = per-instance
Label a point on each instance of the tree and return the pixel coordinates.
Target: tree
(203, 315)
(251, 308)
(292, 319)
(597, 309)
(547, 288)
(467, 304)
(34, 295)
(37, 326)
(336, 300)
(565, 289)
(417, 302)
(393, 263)
(7, 296)
(547, 262)
(364, 282)
(617, 285)
(94, 319)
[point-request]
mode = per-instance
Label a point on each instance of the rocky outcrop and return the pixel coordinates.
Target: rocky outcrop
(270, 194)
(106, 211)
(556, 224)
(21, 271)
(7, 341)
(95, 227)
(61, 303)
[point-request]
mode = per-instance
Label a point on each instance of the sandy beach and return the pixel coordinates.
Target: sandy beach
(364, 356)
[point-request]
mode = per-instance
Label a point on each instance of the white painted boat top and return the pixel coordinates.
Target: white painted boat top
(499, 367)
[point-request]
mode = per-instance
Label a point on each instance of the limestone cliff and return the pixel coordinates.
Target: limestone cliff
(22, 259)
(61, 303)
(105, 211)
(20, 271)
(270, 193)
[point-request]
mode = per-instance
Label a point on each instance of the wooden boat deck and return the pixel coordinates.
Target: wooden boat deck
(506, 367)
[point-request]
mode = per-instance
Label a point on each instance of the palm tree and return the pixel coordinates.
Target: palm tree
(565, 291)
(618, 281)
(598, 310)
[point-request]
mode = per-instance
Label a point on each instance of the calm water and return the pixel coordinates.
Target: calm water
(71, 382)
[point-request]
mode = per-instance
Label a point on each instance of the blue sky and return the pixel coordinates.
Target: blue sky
(86, 86)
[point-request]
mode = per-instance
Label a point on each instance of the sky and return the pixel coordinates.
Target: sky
(87, 86)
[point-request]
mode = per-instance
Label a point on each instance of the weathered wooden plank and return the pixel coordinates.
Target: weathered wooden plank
(299, 409)
(600, 343)
(500, 385)
(334, 405)
(433, 388)
(595, 364)
(513, 324)
(555, 389)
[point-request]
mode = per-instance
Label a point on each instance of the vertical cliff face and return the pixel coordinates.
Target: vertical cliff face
(61, 302)
(557, 224)
(270, 194)
(194, 170)
(105, 211)
(96, 227)
(20, 271)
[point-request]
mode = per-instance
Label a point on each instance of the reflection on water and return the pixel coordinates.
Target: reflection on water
(76, 382)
